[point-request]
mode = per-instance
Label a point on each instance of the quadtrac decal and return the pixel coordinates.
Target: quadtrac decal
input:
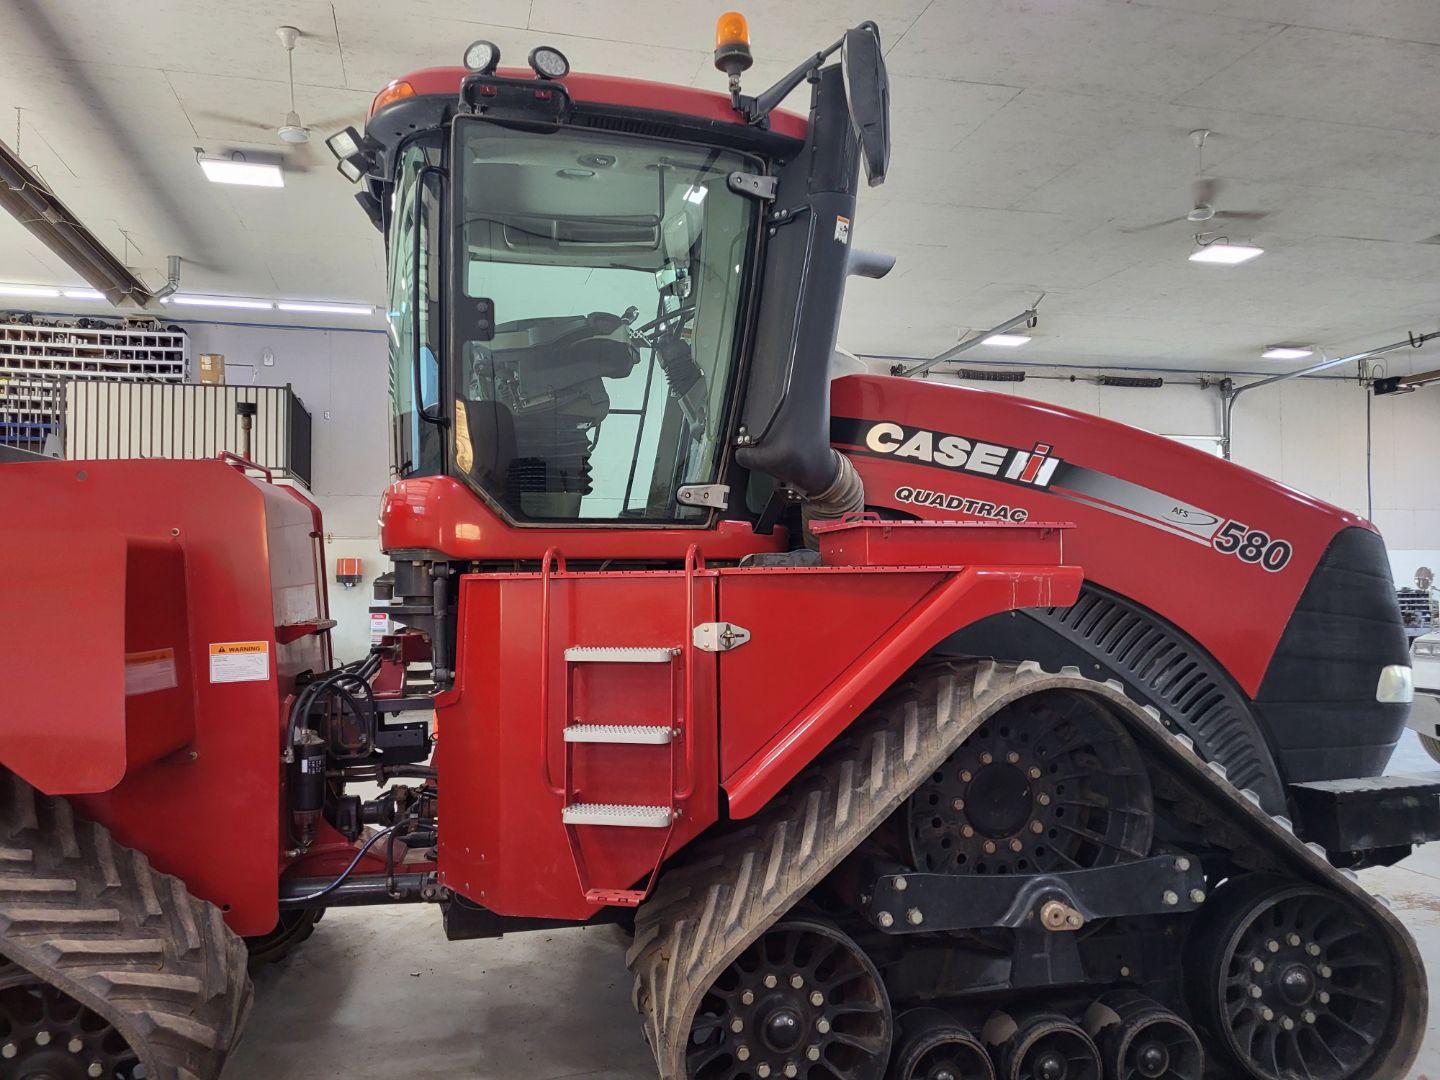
(1039, 468)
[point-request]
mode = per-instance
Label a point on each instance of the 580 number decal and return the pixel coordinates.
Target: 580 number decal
(1252, 546)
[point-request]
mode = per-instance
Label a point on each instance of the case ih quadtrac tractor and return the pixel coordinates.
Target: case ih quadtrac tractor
(908, 730)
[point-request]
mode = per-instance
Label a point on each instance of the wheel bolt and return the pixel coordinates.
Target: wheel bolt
(958, 804)
(1325, 971)
(747, 998)
(1034, 773)
(1267, 1014)
(797, 981)
(771, 982)
(737, 1025)
(75, 1046)
(966, 775)
(1287, 1024)
(1293, 940)
(1313, 949)
(1257, 965)
(1182, 864)
(1037, 826)
(742, 1053)
(1171, 898)
(1012, 757)
(1273, 946)
(42, 1038)
(1197, 896)
(813, 1054)
(1308, 1016)
(1016, 845)
(791, 1069)
(986, 758)
(762, 1069)
(817, 998)
(916, 916)
(822, 1026)
(1323, 997)
(901, 884)
(1256, 992)
(967, 831)
(95, 1069)
(9, 1050)
(885, 919)
(1043, 799)
(989, 847)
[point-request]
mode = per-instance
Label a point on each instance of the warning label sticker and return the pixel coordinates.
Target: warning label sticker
(239, 661)
(842, 229)
(146, 672)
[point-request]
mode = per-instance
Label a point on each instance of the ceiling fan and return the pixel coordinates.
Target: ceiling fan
(293, 131)
(1204, 193)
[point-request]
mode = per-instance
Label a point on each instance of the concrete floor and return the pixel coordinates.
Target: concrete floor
(381, 993)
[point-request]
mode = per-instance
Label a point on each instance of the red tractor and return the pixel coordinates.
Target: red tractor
(910, 730)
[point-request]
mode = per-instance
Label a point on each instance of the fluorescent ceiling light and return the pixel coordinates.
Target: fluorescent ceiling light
(1226, 254)
(1286, 352)
(235, 171)
(192, 300)
(40, 291)
(83, 294)
(1006, 341)
(322, 307)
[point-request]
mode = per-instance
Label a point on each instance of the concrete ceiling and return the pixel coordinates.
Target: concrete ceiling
(1032, 139)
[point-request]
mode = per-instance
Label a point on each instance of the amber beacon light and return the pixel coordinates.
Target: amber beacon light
(732, 44)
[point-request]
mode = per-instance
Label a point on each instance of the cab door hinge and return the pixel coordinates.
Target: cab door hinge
(715, 496)
(754, 185)
(720, 636)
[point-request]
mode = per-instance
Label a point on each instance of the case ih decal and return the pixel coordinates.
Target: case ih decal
(1008, 464)
(1039, 468)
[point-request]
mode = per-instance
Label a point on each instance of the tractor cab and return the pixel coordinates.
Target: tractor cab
(611, 301)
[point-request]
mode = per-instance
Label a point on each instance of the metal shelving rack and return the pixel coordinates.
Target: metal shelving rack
(36, 360)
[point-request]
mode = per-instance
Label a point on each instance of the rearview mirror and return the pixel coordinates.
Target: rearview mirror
(867, 92)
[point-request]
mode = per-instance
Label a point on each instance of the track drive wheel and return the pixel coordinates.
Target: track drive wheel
(1293, 980)
(803, 1000)
(933, 1045)
(100, 950)
(1050, 782)
(291, 931)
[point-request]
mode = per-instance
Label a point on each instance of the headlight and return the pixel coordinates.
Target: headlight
(549, 63)
(482, 57)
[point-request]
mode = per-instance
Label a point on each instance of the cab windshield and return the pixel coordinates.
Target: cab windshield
(600, 279)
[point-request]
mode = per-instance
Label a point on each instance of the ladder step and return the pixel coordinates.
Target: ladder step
(635, 817)
(632, 734)
(619, 654)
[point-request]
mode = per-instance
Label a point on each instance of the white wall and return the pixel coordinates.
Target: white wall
(342, 377)
(1307, 433)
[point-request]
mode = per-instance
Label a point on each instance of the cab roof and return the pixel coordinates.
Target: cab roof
(613, 90)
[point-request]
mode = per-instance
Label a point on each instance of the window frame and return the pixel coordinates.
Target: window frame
(747, 292)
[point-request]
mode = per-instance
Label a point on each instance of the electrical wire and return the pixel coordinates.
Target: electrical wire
(310, 898)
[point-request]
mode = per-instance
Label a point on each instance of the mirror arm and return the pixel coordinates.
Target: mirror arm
(757, 110)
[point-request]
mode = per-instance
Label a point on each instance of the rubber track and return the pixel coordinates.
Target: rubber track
(708, 909)
(94, 919)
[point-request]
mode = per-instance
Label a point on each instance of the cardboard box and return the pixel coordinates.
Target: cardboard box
(212, 368)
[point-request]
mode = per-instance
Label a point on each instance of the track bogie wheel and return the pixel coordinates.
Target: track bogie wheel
(803, 1000)
(933, 1045)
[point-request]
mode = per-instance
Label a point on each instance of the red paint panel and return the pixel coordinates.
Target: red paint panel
(787, 696)
(503, 844)
(439, 514)
(613, 90)
(941, 543)
(1145, 556)
(209, 812)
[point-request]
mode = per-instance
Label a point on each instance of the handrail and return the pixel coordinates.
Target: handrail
(229, 457)
(694, 564)
(551, 554)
